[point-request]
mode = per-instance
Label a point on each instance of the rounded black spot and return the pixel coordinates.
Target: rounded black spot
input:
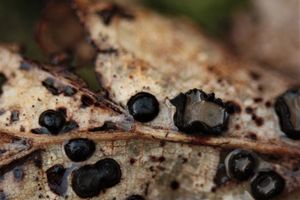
(200, 113)
(86, 181)
(135, 197)
(174, 185)
(240, 164)
(55, 177)
(287, 107)
(266, 185)
(52, 120)
(143, 106)
(109, 171)
(79, 149)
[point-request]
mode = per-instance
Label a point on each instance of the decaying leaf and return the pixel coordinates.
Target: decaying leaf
(177, 105)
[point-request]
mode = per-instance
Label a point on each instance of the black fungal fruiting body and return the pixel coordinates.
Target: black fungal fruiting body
(109, 171)
(86, 181)
(57, 88)
(266, 185)
(200, 113)
(240, 164)
(55, 175)
(79, 149)
(52, 120)
(143, 106)
(135, 197)
(90, 180)
(287, 107)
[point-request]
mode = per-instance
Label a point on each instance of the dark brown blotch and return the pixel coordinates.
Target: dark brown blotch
(259, 121)
(249, 110)
(132, 161)
(108, 51)
(86, 101)
(254, 75)
(251, 136)
(3, 80)
(233, 107)
(113, 10)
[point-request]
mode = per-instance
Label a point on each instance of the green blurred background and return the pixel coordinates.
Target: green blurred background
(18, 19)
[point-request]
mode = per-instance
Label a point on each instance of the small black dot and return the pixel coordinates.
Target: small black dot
(174, 185)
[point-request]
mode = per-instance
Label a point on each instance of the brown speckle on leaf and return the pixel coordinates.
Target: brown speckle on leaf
(258, 99)
(254, 75)
(249, 110)
(258, 120)
(132, 161)
(251, 136)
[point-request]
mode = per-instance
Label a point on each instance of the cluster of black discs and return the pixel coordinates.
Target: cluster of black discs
(88, 180)
(200, 113)
(265, 183)
(196, 112)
